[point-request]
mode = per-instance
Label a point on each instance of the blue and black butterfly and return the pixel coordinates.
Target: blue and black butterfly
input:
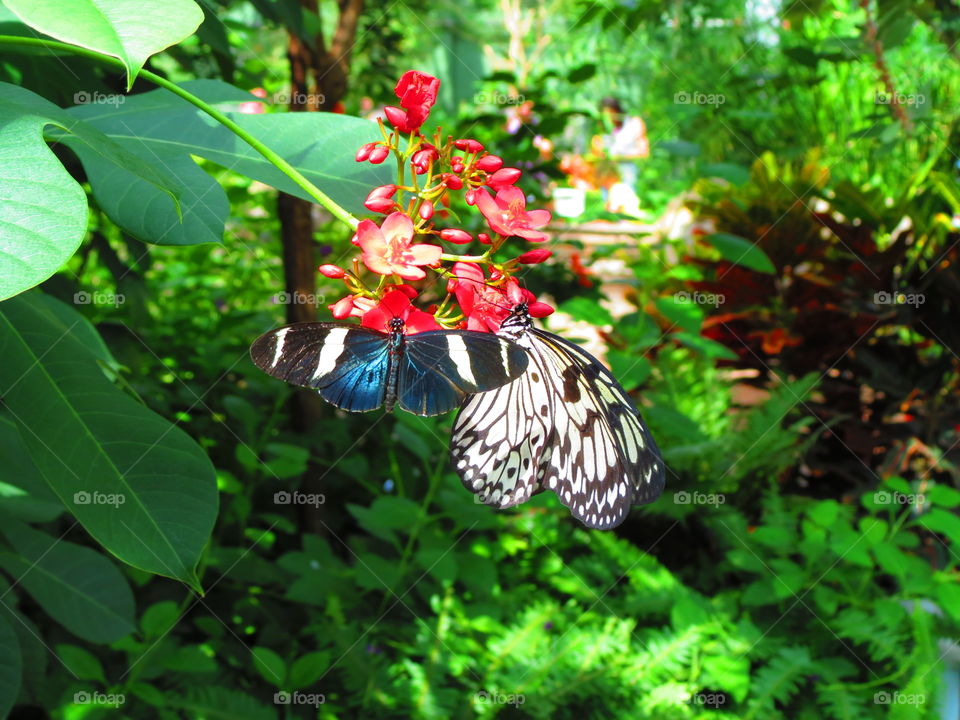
(360, 369)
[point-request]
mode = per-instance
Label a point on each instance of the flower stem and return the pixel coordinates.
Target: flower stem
(466, 258)
(273, 158)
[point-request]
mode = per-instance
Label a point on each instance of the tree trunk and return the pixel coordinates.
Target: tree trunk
(318, 81)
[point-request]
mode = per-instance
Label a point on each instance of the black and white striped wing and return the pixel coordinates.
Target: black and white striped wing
(564, 425)
(355, 368)
(346, 364)
(501, 439)
(604, 459)
(439, 367)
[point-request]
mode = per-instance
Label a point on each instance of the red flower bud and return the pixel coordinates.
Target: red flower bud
(460, 237)
(484, 238)
(364, 152)
(456, 164)
(379, 154)
(422, 158)
(342, 308)
(504, 177)
(471, 195)
(379, 199)
(471, 146)
(489, 163)
(397, 118)
(532, 257)
(452, 181)
(426, 210)
(332, 271)
(539, 309)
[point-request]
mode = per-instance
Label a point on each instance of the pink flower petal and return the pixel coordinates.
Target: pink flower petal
(538, 217)
(397, 227)
(409, 272)
(377, 262)
(423, 254)
(531, 235)
(368, 232)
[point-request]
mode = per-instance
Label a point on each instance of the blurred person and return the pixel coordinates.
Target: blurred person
(624, 142)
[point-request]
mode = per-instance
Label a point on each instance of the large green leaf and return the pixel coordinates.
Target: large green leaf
(140, 486)
(34, 653)
(78, 587)
(740, 251)
(23, 491)
(43, 211)
(322, 146)
(130, 30)
(11, 667)
(145, 212)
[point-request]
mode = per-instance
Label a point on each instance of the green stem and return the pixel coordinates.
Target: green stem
(466, 258)
(286, 168)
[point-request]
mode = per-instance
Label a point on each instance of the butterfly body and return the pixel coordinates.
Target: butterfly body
(361, 369)
(565, 425)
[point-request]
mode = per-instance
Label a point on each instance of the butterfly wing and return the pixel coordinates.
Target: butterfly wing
(566, 425)
(439, 367)
(501, 439)
(346, 364)
(606, 460)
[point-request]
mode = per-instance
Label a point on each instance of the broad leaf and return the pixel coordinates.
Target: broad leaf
(81, 663)
(78, 587)
(43, 211)
(307, 669)
(683, 309)
(140, 486)
(271, 666)
(581, 308)
(145, 212)
(130, 30)
(24, 493)
(33, 651)
(740, 251)
(321, 146)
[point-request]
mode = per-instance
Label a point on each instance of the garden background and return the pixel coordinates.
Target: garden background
(182, 536)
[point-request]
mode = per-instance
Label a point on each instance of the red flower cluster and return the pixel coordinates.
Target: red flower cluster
(430, 174)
